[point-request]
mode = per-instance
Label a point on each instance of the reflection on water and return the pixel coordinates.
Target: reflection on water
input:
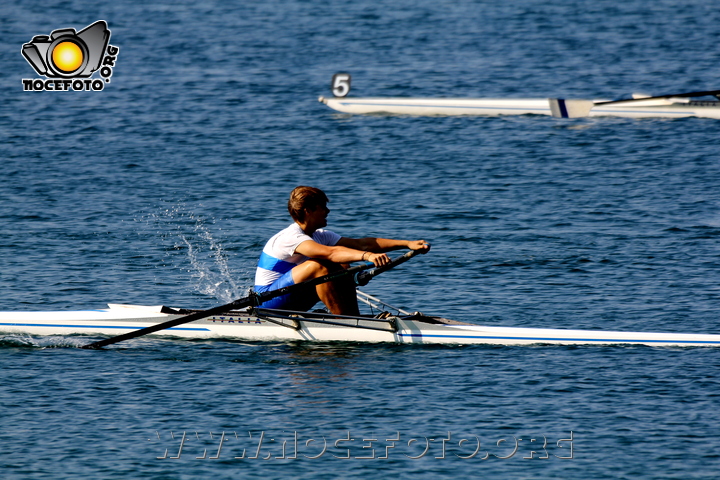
(315, 372)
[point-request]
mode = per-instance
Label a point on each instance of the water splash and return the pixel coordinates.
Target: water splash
(191, 245)
(210, 268)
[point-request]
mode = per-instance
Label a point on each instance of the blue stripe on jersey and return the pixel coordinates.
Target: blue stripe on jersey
(274, 264)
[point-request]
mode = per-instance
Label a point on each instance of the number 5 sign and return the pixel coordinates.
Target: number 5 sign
(340, 84)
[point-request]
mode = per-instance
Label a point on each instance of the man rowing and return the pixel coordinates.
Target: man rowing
(304, 251)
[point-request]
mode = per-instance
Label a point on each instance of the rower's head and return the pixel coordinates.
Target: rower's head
(305, 199)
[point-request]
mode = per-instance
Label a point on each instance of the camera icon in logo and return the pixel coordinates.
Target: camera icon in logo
(66, 53)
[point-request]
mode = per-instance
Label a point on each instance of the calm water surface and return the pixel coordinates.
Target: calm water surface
(162, 189)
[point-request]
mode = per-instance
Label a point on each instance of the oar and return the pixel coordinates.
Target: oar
(252, 300)
(561, 108)
(713, 93)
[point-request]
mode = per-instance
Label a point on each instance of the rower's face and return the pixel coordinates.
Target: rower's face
(318, 216)
(321, 212)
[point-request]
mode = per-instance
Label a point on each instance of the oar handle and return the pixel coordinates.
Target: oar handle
(362, 278)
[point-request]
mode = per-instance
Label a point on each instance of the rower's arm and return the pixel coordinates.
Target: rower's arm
(380, 245)
(339, 253)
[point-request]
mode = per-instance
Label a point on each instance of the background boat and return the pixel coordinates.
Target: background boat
(643, 106)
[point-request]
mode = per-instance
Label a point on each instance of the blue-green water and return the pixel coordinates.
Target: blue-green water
(163, 187)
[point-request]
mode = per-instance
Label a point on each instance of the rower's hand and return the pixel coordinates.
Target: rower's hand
(379, 259)
(421, 245)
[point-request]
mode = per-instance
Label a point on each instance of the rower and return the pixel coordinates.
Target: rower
(304, 250)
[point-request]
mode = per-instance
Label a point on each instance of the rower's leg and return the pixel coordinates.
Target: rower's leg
(339, 295)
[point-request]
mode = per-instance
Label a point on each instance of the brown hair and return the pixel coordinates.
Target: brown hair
(305, 198)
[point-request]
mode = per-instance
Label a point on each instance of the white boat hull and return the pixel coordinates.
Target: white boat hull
(440, 106)
(653, 108)
(416, 330)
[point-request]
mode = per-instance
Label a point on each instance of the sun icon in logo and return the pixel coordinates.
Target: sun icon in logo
(67, 56)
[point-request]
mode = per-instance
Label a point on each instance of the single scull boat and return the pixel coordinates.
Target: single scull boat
(258, 324)
(439, 106)
(243, 319)
(640, 106)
